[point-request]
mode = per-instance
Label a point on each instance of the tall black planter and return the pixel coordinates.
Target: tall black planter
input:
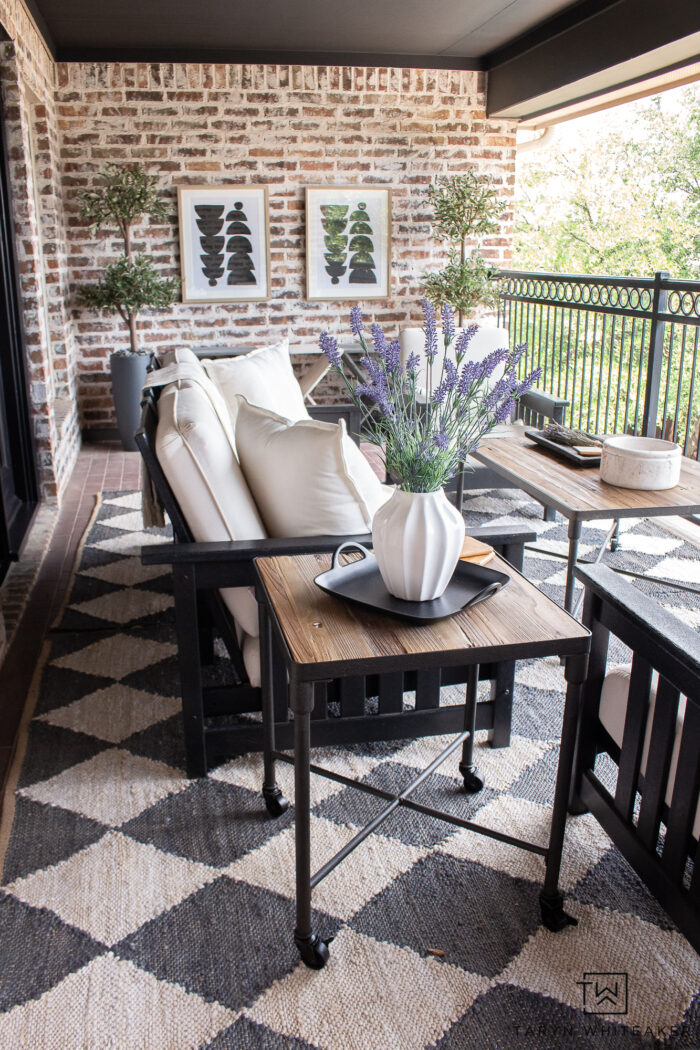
(128, 376)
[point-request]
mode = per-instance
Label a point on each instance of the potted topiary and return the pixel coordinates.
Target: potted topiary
(465, 207)
(130, 283)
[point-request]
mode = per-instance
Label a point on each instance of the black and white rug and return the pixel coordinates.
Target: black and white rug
(143, 911)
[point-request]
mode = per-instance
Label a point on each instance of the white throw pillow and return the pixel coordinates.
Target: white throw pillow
(203, 472)
(307, 478)
(263, 377)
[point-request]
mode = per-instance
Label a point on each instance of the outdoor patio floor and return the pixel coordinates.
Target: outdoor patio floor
(98, 468)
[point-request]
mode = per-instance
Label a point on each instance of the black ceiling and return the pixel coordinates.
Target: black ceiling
(450, 33)
(540, 54)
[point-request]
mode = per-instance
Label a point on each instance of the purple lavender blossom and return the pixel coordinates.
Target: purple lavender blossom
(439, 393)
(464, 339)
(376, 389)
(448, 323)
(498, 391)
(356, 325)
(470, 373)
(530, 380)
(423, 445)
(504, 410)
(430, 329)
(516, 355)
(379, 339)
(393, 355)
(491, 362)
(329, 345)
(447, 383)
(364, 390)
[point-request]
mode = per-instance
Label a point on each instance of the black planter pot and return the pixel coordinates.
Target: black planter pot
(128, 373)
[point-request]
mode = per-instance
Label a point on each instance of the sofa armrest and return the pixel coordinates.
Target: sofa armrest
(544, 404)
(230, 563)
(237, 551)
(500, 536)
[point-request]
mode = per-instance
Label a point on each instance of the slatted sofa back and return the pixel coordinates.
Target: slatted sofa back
(658, 839)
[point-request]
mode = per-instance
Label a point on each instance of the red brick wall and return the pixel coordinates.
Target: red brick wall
(287, 127)
(27, 83)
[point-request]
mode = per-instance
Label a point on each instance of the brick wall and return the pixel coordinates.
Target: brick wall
(27, 81)
(287, 127)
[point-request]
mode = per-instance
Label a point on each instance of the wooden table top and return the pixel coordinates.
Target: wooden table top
(324, 633)
(578, 492)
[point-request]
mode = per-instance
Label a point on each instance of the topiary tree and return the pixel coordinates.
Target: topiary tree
(465, 207)
(130, 283)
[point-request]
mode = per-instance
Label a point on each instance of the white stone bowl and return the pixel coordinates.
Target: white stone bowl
(640, 463)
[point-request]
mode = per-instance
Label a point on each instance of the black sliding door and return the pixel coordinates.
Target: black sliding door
(18, 483)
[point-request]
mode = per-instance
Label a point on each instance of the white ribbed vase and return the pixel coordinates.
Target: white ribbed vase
(417, 538)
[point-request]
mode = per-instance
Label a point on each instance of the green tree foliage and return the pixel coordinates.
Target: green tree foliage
(131, 283)
(465, 209)
(624, 202)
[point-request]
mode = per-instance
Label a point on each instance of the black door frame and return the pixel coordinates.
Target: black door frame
(15, 520)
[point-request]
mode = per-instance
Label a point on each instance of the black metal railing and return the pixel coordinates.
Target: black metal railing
(624, 351)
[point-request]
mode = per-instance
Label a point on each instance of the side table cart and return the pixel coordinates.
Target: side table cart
(321, 638)
(580, 495)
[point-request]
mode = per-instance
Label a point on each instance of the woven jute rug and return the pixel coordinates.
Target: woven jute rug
(143, 911)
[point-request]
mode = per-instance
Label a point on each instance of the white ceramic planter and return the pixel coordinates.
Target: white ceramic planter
(417, 538)
(640, 463)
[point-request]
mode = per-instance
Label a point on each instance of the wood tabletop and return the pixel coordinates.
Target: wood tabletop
(578, 492)
(324, 633)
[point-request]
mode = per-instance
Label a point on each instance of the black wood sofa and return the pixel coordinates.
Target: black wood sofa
(648, 801)
(222, 721)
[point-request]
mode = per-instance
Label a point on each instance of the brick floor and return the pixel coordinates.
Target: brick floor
(98, 468)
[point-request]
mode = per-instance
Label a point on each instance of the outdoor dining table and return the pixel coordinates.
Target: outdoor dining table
(579, 494)
(323, 638)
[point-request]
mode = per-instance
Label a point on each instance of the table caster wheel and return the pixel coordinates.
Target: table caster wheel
(473, 780)
(314, 952)
(553, 915)
(275, 801)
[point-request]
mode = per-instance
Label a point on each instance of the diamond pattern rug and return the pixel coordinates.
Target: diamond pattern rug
(143, 911)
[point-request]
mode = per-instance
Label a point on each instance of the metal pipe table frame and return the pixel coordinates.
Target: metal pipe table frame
(302, 678)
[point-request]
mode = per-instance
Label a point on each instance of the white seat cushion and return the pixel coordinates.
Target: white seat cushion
(263, 377)
(204, 474)
(612, 712)
(308, 478)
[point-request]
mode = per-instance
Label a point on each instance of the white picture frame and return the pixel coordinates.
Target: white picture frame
(348, 242)
(224, 243)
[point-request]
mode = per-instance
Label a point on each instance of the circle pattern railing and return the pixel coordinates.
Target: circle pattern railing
(684, 303)
(587, 293)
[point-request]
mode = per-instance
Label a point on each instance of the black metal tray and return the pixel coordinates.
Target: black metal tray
(361, 582)
(565, 451)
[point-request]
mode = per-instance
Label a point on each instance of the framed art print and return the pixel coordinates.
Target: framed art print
(224, 243)
(348, 242)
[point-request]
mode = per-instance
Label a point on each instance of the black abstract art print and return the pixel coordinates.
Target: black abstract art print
(224, 243)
